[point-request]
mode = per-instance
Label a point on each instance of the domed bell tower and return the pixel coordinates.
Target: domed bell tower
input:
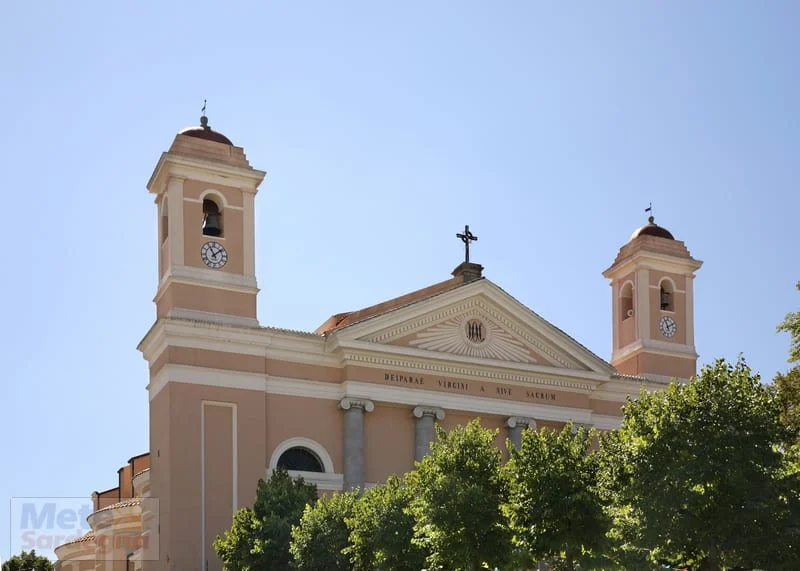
(205, 190)
(653, 306)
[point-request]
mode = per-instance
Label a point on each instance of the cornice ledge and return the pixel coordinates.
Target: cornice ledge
(203, 165)
(210, 278)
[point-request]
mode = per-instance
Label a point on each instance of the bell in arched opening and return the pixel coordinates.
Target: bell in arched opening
(212, 218)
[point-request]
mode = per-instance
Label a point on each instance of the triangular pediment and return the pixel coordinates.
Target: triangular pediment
(478, 321)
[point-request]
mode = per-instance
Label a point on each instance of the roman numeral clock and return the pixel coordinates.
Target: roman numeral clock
(214, 255)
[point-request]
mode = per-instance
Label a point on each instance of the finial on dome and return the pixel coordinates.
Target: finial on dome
(649, 209)
(204, 119)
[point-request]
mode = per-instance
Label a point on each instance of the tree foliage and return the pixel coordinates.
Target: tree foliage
(259, 537)
(697, 478)
(554, 506)
(457, 493)
(382, 529)
(787, 385)
(320, 539)
(791, 325)
(28, 561)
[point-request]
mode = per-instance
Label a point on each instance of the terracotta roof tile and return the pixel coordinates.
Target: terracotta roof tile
(137, 474)
(342, 320)
(82, 539)
(123, 504)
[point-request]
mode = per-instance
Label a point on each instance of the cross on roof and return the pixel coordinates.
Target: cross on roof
(467, 237)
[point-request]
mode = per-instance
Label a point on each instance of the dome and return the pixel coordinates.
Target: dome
(205, 132)
(652, 229)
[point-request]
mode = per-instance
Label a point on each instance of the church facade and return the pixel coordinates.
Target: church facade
(357, 399)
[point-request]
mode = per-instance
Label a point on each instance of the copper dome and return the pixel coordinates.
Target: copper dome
(205, 132)
(652, 229)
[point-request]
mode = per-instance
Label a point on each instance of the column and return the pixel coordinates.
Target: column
(516, 424)
(354, 409)
(424, 432)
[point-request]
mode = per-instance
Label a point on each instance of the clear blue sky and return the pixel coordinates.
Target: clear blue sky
(547, 127)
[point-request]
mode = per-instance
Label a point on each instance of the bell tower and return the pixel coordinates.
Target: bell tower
(205, 191)
(653, 306)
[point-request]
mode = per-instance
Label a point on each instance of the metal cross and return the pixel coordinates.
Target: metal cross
(467, 237)
(204, 107)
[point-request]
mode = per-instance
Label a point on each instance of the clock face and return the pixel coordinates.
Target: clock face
(667, 326)
(214, 255)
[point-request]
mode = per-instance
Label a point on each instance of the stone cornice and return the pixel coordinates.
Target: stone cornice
(178, 166)
(266, 341)
(644, 259)
(656, 347)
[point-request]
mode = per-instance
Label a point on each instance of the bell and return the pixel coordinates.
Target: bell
(211, 225)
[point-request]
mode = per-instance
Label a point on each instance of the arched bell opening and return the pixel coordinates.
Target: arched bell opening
(212, 218)
(666, 295)
(626, 301)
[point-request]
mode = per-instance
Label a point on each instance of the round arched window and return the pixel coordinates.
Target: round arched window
(301, 459)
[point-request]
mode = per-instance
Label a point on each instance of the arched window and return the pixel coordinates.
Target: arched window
(212, 218)
(301, 459)
(667, 293)
(626, 301)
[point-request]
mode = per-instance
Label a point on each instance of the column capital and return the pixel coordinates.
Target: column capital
(433, 411)
(354, 402)
(521, 421)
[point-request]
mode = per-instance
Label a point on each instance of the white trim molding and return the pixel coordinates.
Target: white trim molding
(214, 278)
(655, 347)
(327, 480)
(302, 442)
(196, 315)
(235, 461)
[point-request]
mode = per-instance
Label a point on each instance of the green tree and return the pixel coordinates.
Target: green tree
(791, 325)
(457, 493)
(787, 391)
(554, 507)
(259, 537)
(382, 529)
(320, 539)
(28, 561)
(697, 476)
(787, 385)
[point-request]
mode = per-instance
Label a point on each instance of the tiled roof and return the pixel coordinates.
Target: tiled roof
(137, 474)
(123, 504)
(346, 319)
(82, 539)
